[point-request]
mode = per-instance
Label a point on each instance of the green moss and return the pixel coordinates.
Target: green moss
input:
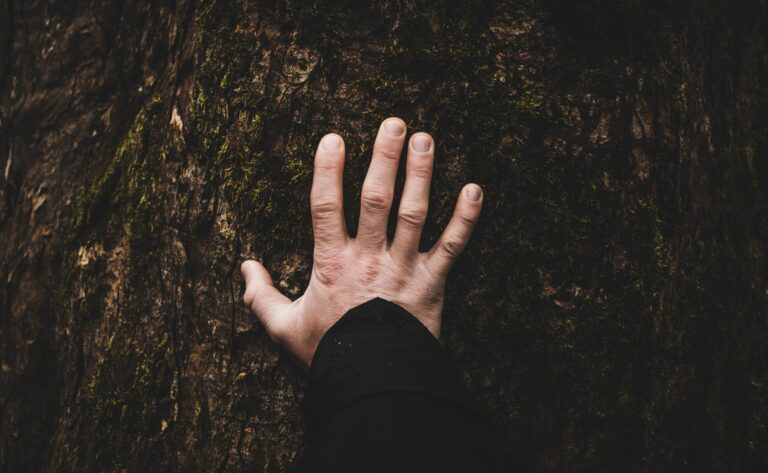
(122, 182)
(115, 405)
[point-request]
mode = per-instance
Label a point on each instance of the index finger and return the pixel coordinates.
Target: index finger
(327, 198)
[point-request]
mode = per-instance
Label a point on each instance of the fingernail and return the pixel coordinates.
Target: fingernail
(421, 143)
(474, 193)
(394, 127)
(331, 142)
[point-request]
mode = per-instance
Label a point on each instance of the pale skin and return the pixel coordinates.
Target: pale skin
(349, 271)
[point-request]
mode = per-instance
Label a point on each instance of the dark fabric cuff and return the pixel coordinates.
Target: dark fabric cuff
(377, 347)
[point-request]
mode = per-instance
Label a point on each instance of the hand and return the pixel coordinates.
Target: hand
(349, 271)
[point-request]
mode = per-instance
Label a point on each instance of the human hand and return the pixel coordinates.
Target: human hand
(349, 271)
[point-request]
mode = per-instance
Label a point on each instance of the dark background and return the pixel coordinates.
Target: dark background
(610, 312)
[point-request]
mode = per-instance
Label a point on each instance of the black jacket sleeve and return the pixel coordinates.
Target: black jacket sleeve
(384, 396)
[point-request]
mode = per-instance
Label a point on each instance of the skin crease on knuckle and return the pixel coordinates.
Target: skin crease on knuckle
(348, 271)
(328, 270)
(328, 165)
(412, 217)
(396, 279)
(323, 208)
(421, 172)
(467, 218)
(390, 154)
(451, 248)
(376, 201)
(369, 269)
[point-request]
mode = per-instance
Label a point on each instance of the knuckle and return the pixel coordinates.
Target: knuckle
(389, 153)
(412, 216)
(422, 172)
(375, 200)
(328, 271)
(369, 270)
(398, 284)
(467, 219)
(324, 208)
(329, 161)
(326, 164)
(451, 248)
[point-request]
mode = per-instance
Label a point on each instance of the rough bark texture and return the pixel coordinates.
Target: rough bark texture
(610, 313)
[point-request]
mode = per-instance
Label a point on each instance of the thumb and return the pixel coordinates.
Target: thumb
(260, 293)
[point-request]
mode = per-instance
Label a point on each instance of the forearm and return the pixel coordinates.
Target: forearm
(383, 395)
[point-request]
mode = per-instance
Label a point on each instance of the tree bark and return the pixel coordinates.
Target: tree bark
(610, 312)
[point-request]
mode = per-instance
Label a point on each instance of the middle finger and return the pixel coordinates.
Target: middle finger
(379, 185)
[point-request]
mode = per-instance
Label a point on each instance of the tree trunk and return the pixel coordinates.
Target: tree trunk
(610, 312)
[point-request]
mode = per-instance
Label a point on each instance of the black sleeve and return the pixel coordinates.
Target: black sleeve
(384, 396)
